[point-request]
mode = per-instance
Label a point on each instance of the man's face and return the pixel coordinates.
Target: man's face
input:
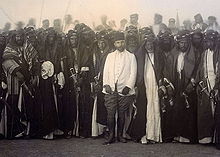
(134, 19)
(157, 20)
(211, 21)
(102, 44)
(46, 24)
(32, 37)
(198, 19)
(73, 41)
(120, 45)
(183, 45)
(19, 39)
(132, 41)
(166, 44)
(149, 46)
(172, 24)
(197, 40)
(209, 44)
(87, 38)
(132, 44)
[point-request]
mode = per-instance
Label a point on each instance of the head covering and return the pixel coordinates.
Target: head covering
(72, 33)
(44, 21)
(165, 35)
(197, 32)
(210, 35)
(183, 34)
(29, 31)
(131, 30)
(212, 18)
(145, 30)
(57, 22)
(31, 23)
(87, 33)
(102, 35)
(119, 36)
(198, 17)
(19, 25)
(149, 35)
(172, 20)
(134, 15)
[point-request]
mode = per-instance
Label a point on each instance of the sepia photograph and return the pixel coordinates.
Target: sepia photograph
(109, 78)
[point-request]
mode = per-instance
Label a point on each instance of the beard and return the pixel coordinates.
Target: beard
(196, 45)
(166, 47)
(120, 49)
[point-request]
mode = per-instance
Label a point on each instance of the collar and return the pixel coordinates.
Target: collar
(118, 52)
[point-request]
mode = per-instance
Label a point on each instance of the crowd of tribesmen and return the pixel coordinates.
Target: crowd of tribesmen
(51, 79)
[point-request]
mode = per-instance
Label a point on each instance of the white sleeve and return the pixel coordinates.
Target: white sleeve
(133, 73)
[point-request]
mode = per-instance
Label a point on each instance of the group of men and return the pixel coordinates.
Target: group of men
(151, 84)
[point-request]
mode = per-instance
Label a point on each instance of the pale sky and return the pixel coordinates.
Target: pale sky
(91, 10)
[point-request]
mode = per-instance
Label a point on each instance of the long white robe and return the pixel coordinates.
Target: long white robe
(211, 76)
(153, 125)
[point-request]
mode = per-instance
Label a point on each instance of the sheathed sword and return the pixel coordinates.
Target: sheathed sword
(211, 95)
(77, 90)
(203, 89)
(186, 100)
(27, 89)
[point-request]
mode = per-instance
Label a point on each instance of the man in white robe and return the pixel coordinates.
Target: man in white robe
(153, 124)
(207, 85)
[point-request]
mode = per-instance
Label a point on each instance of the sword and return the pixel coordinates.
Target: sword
(77, 90)
(27, 89)
(186, 99)
(203, 89)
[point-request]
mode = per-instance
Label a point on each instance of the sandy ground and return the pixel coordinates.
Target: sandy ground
(76, 147)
